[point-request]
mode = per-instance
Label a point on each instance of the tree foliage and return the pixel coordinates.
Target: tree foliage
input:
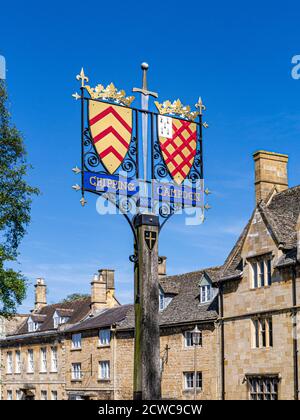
(15, 205)
(75, 296)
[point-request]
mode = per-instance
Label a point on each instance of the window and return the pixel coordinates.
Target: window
(104, 370)
(43, 360)
(104, 337)
(18, 366)
(205, 293)
(263, 388)
(189, 380)
(161, 300)
(58, 320)
(261, 273)
(262, 335)
(76, 341)
(44, 395)
(32, 325)
(19, 395)
(53, 359)
(188, 339)
(54, 395)
(269, 272)
(9, 395)
(30, 361)
(76, 371)
(9, 362)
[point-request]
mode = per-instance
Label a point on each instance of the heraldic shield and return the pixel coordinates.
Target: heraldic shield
(178, 143)
(111, 129)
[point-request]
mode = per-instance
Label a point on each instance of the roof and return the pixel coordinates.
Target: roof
(76, 310)
(184, 307)
(106, 318)
(281, 215)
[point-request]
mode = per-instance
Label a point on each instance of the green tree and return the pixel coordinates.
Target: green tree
(75, 296)
(15, 204)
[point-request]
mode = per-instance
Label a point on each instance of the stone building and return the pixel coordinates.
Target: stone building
(246, 311)
(260, 290)
(33, 357)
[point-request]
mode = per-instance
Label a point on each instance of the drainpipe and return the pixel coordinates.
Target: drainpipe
(295, 341)
(222, 342)
(114, 334)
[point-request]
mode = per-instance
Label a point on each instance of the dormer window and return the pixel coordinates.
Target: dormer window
(59, 320)
(205, 293)
(32, 325)
(164, 300)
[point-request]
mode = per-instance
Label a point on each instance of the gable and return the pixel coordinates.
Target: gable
(260, 238)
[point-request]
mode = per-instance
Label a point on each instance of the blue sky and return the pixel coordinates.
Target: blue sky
(237, 56)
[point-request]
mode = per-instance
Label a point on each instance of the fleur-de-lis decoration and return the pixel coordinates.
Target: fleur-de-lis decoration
(200, 106)
(81, 76)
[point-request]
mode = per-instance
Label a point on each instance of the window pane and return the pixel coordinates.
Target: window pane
(270, 325)
(188, 339)
(262, 273)
(269, 272)
(255, 279)
(263, 389)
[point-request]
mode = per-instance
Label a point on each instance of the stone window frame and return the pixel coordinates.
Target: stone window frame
(9, 363)
(105, 343)
(262, 332)
(30, 361)
(54, 360)
(257, 278)
(76, 340)
(44, 395)
(76, 372)
(107, 370)
(18, 362)
(263, 387)
(43, 360)
(185, 339)
(54, 392)
(190, 376)
(9, 395)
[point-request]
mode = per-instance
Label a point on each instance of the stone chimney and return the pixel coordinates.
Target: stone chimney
(103, 290)
(98, 292)
(270, 173)
(40, 294)
(162, 266)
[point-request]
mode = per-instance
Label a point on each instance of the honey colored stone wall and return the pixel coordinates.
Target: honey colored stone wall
(49, 381)
(242, 359)
(90, 354)
(239, 296)
(177, 360)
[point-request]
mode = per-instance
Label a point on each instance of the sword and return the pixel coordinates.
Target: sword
(145, 106)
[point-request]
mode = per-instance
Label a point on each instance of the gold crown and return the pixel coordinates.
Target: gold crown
(108, 93)
(176, 108)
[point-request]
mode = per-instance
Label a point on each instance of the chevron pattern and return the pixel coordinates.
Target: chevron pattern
(111, 130)
(179, 151)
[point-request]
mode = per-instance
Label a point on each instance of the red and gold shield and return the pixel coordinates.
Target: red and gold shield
(178, 144)
(111, 129)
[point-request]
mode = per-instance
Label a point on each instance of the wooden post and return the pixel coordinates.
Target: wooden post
(147, 380)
